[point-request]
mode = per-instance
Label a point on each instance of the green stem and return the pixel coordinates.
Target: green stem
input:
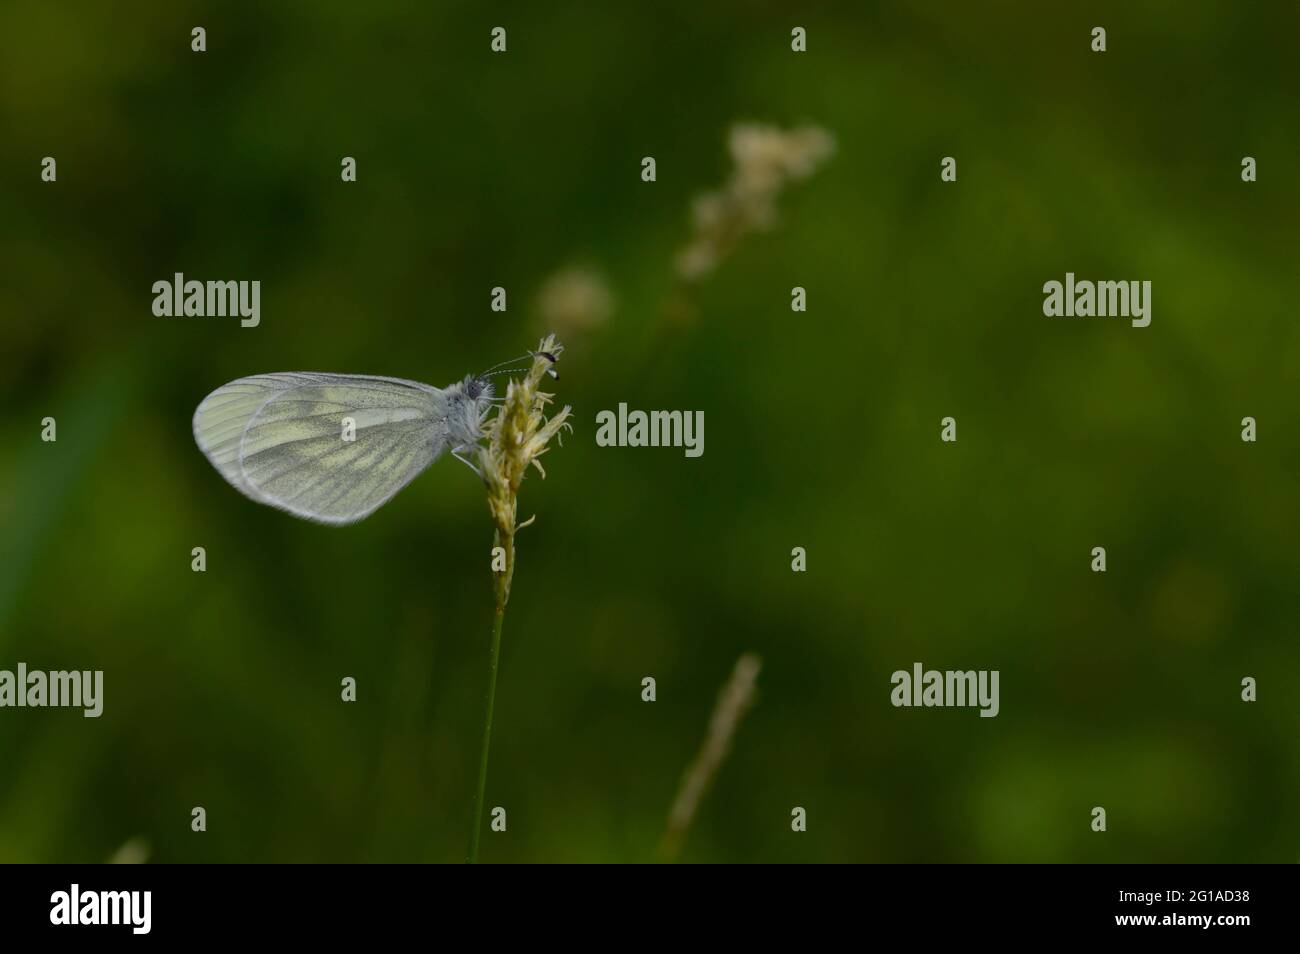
(494, 655)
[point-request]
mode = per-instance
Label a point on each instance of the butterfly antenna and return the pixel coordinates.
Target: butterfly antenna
(492, 374)
(549, 357)
(507, 361)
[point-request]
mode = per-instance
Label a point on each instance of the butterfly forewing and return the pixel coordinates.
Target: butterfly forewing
(283, 439)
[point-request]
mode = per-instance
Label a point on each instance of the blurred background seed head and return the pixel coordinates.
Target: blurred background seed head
(574, 302)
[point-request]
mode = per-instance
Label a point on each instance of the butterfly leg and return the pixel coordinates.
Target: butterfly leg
(455, 452)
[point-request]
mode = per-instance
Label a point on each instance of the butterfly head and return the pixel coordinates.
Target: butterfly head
(476, 388)
(471, 399)
(468, 404)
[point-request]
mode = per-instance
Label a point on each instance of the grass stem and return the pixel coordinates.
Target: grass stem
(494, 656)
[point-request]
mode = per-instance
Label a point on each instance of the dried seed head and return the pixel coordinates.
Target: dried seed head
(518, 435)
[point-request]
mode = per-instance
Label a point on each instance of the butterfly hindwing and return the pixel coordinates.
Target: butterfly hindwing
(280, 439)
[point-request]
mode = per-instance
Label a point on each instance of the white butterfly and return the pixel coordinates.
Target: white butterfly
(335, 447)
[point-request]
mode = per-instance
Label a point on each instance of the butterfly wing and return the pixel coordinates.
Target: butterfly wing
(280, 439)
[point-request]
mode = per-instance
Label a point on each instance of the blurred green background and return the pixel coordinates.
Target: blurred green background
(822, 430)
